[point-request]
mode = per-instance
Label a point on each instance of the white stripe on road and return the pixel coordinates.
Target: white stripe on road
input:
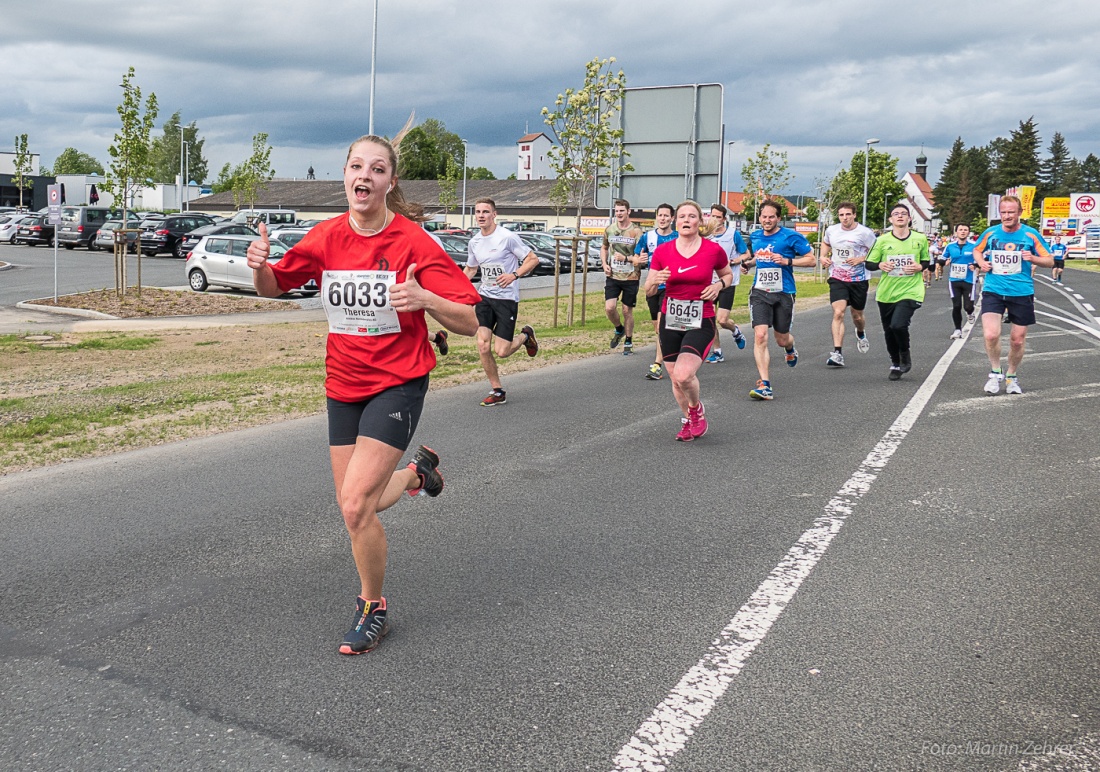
(1079, 297)
(1090, 330)
(1088, 307)
(668, 729)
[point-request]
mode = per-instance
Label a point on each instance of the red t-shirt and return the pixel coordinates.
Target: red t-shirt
(690, 275)
(360, 366)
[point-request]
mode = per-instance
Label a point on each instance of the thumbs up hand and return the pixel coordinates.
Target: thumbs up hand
(408, 295)
(259, 250)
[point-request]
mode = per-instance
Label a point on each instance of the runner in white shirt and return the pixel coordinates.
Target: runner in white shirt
(502, 258)
(844, 253)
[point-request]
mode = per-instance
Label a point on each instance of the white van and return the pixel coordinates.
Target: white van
(268, 216)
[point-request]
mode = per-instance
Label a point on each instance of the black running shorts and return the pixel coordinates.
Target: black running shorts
(390, 417)
(1059, 263)
(771, 309)
(498, 316)
(655, 302)
(1020, 308)
(697, 342)
(725, 297)
(612, 288)
(854, 293)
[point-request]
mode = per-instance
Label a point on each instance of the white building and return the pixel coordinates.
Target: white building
(161, 196)
(7, 162)
(534, 158)
(919, 197)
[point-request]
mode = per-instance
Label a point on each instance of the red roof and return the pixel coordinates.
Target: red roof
(530, 137)
(734, 200)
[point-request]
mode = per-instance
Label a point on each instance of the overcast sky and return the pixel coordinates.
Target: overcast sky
(815, 79)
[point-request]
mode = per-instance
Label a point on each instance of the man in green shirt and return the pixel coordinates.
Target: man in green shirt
(902, 255)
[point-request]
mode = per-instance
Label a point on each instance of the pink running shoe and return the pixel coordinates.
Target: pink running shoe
(697, 421)
(685, 434)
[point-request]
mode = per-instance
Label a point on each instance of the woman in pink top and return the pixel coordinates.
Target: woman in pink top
(687, 267)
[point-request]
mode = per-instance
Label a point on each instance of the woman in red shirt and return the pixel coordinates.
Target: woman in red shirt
(379, 272)
(686, 266)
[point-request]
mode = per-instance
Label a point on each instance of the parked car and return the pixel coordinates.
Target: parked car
(79, 225)
(456, 247)
(216, 229)
(35, 230)
(166, 235)
(9, 225)
(105, 236)
(544, 243)
(221, 260)
(563, 230)
(268, 216)
(289, 236)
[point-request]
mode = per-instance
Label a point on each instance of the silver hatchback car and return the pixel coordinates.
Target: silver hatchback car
(221, 261)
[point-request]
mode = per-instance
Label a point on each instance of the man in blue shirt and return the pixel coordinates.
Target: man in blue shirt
(1058, 252)
(958, 256)
(775, 251)
(1006, 253)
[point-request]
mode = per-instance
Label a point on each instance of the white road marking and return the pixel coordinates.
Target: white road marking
(1079, 297)
(994, 402)
(1088, 307)
(668, 729)
(1081, 325)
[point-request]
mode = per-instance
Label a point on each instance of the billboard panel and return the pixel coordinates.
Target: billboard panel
(673, 135)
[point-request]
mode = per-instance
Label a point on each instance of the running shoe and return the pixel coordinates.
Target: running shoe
(970, 318)
(862, 344)
(956, 334)
(370, 627)
(684, 435)
(1059, 284)
(441, 342)
(628, 348)
(763, 391)
(715, 356)
(836, 359)
(993, 383)
(792, 357)
(1012, 385)
(697, 421)
(424, 463)
(895, 372)
(530, 344)
(617, 337)
(738, 337)
(655, 372)
(496, 397)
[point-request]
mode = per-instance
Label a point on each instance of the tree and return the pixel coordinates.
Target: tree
(1089, 175)
(165, 152)
(884, 188)
(1053, 170)
(23, 165)
(946, 191)
(581, 125)
(1017, 160)
(72, 161)
(447, 143)
(479, 173)
(763, 175)
(448, 185)
(420, 158)
(224, 182)
(130, 167)
(250, 177)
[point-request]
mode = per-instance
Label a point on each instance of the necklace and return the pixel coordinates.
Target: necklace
(369, 231)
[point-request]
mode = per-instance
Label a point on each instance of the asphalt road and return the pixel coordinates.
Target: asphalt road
(910, 570)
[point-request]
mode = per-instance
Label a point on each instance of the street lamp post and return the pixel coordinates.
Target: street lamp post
(373, 60)
(464, 151)
(729, 162)
(866, 163)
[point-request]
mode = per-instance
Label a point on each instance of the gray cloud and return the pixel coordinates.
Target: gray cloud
(812, 78)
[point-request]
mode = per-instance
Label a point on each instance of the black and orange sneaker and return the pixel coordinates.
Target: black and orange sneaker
(424, 463)
(496, 397)
(530, 344)
(441, 342)
(369, 629)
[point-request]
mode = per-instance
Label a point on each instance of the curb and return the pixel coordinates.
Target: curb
(5, 266)
(84, 313)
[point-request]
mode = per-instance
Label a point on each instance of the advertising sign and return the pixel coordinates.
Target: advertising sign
(1056, 207)
(1059, 226)
(1085, 207)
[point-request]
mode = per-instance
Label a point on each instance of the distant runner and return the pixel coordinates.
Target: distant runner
(729, 239)
(645, 248)
(844, 252)
(1058, 252)
(623, 271)
(776, 251)
(959, 259)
